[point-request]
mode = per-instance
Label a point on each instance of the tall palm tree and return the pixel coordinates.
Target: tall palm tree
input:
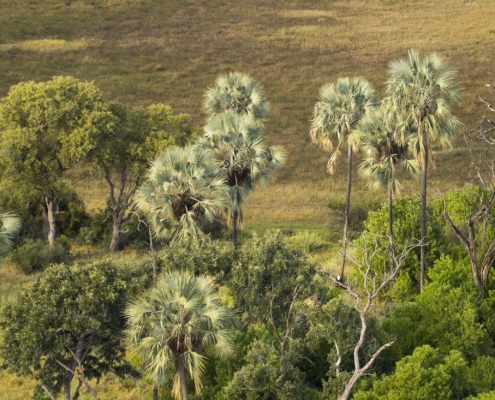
(171, 324)
(424, 89)
(244, 157)
(10, 225)
(184, 189)
(238, 93)
(339, 111)
(384, 152)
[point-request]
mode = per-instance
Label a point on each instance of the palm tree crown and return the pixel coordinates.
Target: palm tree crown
(339, 111)
(184, 189)
(10, 225)
(384, 152)
(239, 93)
(173, 322)
(422, 89)
(242, 153)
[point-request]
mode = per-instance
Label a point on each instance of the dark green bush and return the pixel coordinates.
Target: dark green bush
(35, 255)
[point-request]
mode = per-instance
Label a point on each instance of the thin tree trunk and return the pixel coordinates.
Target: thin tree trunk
(153, 253)
(424, 170)
(234, 227)
(155, 392)
(391, 249)
(346, 211)
(115, 242)
(50, 213)
(182, 378)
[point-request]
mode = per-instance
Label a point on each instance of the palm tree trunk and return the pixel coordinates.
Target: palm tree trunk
(182, 378)
(424, 170)
(346, 211)
(155, 392)
(391, 249)
(50, 213)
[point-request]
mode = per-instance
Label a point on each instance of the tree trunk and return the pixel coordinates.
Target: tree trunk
(155, 392)
(391, 249)
(50, 213)
(234, 228)
(68, 383)
(346, 211)
(424, 170)
(117, 223)
(182, 379)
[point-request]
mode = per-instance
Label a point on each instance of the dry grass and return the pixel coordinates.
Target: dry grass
(141, 52)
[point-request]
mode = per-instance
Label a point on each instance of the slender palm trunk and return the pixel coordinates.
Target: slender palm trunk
(424, 170)
(50, 213)
(182, 379)
(391, 249)
(347, 207)
(155, 392)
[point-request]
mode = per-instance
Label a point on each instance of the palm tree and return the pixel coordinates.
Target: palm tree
(238, 93)
(384, 152)
(183, 191)
(340, 111)
(10, 225)
(171, 324)
(423, 89)
(244, 158)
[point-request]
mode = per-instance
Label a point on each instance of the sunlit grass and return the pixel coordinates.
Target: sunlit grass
(46, 45)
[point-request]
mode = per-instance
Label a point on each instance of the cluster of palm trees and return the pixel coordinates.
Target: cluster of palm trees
(188, 187)
(398, 131)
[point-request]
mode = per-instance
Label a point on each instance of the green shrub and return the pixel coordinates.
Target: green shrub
(35, 255)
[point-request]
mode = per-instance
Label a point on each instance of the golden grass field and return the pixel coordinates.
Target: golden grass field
(144, 51)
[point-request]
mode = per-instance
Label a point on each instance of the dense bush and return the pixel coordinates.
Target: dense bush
(35, 255)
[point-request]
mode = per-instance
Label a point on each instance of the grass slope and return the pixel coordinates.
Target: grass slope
(144, 51)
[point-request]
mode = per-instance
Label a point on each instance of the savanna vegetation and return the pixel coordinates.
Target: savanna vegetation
(257, 200)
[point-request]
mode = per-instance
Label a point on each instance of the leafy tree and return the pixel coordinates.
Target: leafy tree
(123, 153)
(199, 256)
(422, 89)
(244, 157)
(340, 111)
(47, 128)
(407, 231)
(472, 207)
(258, 289)
(383, 155)
(173, 322)
(426, 374)
(67, 325)
(183, 191)
(450, 314)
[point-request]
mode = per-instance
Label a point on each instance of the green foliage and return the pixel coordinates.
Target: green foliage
(256, 277)
(268, 375)
(70, 313)
(172, 323)
(481, 374)
(426, 374)
(35, 256)
(199, 256)
(407, 232)
(450, 314)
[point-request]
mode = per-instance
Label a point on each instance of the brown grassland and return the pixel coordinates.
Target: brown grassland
(144, 51)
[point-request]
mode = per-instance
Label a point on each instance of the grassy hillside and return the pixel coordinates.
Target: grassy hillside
(144, 51)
